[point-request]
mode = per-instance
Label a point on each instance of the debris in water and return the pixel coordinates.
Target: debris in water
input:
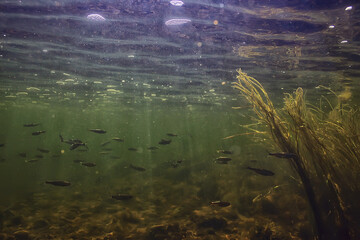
(59, 183)
(220, 203)
(165, 141)
(263, 172)
(101, 131)
(264, 195)
(38, 132)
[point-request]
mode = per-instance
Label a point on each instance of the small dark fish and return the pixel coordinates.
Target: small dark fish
(283, 155)
(61, 138)
(2, 160)
(118, 139)
(105, 143)
(78, 161)
(22, 155)
(88, 164)
(43, 150)
(31, 124)
(39, 156)
(171, 135)
(140, 169)
(223, 160)
(220, 203)
(38, 133)
(76, 145)
(107, 149)
(104, 153)
(174, 164)
(97, 131)
(2, 144)
(152, 148)
(165, 141)
(59, 183)
(122, 196)
(32, 160)
(74, 141)
(263, 172)
(82, 150)
(114, 157)
(225, 151)
(132, 149)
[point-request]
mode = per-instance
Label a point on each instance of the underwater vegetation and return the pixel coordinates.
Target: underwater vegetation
(322, 147)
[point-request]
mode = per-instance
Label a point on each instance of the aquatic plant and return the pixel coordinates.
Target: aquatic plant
(325, 152)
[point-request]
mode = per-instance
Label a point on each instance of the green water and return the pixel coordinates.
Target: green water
(180, 180)
(143, 69)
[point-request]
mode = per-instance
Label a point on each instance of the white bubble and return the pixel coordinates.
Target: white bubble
(176, 3)
(177, 21)
(95, 17)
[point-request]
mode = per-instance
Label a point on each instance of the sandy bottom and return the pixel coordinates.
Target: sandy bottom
(56, 215)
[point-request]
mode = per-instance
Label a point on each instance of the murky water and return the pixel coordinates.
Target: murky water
(156, 76)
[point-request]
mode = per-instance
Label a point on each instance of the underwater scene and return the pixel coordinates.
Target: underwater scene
(175, 119)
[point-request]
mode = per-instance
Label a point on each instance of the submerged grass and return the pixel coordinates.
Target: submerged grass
(326, 154)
